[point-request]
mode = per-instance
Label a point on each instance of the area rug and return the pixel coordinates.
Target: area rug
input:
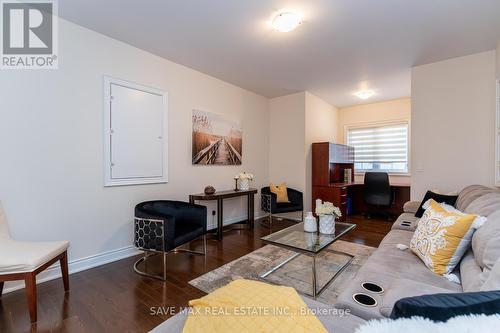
(296, 273)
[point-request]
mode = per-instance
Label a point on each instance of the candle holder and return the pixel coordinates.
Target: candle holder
(236, 184)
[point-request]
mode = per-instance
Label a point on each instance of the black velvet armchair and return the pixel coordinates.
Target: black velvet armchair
(270, 205)
(162, 226)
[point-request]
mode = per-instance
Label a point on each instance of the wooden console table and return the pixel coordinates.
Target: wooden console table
(220, 196)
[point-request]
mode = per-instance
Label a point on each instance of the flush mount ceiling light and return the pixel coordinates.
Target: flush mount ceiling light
(286, 21)
(365, 94)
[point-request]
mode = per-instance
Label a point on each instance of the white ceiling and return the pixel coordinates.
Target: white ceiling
(343, 45)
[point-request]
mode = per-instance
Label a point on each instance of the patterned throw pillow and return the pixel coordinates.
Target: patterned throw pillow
(443, 235)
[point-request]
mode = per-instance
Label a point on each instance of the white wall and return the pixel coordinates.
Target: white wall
(296, 121)
(375, 113)
(51, 143)
(286, 140)
(321, 121)
(498, 61)
(453, 117)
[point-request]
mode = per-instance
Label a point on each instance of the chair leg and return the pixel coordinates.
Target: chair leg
(1, 288)
(64, 270)
(205, 244)
(30, 281)
(164, 266)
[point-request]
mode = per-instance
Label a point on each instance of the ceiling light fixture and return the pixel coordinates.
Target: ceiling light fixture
(286, 21)
(365, 94)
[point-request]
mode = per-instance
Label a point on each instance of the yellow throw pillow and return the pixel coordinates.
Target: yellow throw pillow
(280, 191)
(443, 235)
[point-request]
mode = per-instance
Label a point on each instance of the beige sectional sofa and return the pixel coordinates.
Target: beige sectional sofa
(402, 274)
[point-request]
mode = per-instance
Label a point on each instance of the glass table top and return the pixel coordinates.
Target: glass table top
(296, 238)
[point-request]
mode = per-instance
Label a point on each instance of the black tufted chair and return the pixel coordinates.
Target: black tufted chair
(162, 226)
(270, 205)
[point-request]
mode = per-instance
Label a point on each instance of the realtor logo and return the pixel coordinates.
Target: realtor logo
(29, 34)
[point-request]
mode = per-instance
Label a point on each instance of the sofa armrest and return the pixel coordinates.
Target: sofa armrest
(295, 197)
(196, 214)
(411, 206)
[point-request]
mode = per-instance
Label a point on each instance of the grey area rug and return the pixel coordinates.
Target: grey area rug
(296, 273)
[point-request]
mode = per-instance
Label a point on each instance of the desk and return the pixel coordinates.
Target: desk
(220, 196)
(337, 193)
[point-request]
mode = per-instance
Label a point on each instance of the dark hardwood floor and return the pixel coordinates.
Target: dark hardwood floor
(112, 298)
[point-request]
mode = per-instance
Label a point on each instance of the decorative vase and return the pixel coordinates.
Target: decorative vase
(327, 224)
(243, 184)
(310, 224)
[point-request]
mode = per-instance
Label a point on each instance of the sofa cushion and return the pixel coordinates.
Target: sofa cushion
(471, 193)
(470, 273)
(481, 238)
(385, 266)
(394, 264)
(388, 260)
(402, 288)
(484, 205)
(493, 281)
(395, 237)
(490, 256)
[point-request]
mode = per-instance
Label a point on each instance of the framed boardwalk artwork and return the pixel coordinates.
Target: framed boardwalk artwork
(217, 139)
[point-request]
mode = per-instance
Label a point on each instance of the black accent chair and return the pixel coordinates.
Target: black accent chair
(377, 191)
(270, 205)
(161, 226)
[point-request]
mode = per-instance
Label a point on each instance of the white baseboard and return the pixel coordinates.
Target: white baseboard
(82, 264)
(77, 265)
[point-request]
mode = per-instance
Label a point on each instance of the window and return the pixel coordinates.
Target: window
(380, 148)
(135, 133)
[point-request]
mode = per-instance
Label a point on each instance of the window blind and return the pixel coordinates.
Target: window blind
(380, 148)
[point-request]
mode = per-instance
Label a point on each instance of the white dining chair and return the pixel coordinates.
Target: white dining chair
(24, 260)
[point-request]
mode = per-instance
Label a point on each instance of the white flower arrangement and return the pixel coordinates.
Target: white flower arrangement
(327, 208)
(244, 175)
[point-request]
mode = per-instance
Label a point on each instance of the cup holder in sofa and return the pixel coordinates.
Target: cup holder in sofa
(372, 287)
(364, 300)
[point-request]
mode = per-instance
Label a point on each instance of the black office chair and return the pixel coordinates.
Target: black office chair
(270, 205)
(161, 226)
(377, 192)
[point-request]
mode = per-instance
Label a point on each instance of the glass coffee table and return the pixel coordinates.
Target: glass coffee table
(294, 238)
